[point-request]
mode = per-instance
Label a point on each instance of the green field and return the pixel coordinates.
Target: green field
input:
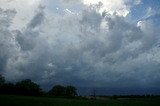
(44, 101)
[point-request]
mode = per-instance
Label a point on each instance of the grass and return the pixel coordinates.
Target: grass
(44, 101)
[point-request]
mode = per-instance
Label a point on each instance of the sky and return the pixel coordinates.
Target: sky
(112, 46)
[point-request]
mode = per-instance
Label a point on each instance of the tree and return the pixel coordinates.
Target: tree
(57, 90)
(27, 87)
(61, 91)
(71, 91)
(2, 80)
(7, 88)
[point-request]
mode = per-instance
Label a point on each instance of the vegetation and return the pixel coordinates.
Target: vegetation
(61, 91)
(57, 90)
(2, 80)
(24, 87)
(70, 91)
(28, 88)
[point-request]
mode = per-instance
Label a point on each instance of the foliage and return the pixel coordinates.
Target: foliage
(27, 87)
(24, 87)
(2, 80)
(57, 90)
(7, 88)
(70, 91)
(61, 91)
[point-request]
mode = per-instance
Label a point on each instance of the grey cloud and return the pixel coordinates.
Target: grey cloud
(27, 37)
(7, 44)
(38, 18)
(68, 1)
(6, 18)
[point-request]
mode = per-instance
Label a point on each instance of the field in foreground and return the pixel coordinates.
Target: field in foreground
(43, 101)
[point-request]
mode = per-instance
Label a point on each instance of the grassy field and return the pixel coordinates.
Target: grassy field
(43, 101)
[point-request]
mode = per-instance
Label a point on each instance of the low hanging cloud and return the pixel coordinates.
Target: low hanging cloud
(84, 49)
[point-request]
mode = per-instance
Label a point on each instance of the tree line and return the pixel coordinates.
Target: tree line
(29, 88)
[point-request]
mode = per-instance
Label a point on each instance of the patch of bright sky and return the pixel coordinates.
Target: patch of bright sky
(139, 12)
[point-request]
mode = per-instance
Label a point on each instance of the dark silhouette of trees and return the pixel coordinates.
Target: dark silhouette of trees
(7, 88)
(2, 80)
(57, 90)
(61, 91)
(27, 87)
(70, 91)
(24, 87)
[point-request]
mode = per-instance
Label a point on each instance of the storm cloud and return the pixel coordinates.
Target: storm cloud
(90, 48)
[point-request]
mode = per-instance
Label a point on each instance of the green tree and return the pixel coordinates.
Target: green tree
(27, 87)
(71, 91)
(61, 91)
(57, 90)
(8, 88)
(2, 80)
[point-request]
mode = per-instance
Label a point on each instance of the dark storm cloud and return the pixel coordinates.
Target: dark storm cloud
(85, 49)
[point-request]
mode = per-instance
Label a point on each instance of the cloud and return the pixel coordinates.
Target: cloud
(69, 1)
(120, 7)
(8, 45)
(24, 8)
(88, 49)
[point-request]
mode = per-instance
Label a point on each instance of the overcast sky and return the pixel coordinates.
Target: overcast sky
(103, 44)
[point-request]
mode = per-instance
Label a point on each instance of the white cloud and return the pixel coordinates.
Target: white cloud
(25, 10)
(120, 7)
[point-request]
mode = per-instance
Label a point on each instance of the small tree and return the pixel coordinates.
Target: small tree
(57, 90)
(61, 91)
(27, 87)
(71, 91)
(2, 80)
